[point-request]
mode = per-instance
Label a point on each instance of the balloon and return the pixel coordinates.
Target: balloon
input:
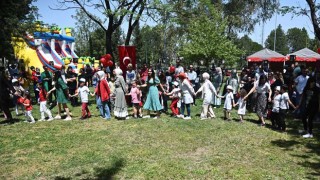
(103, 61)
(107, 56)
(109, 63)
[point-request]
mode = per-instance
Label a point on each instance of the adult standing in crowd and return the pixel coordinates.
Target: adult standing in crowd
(152, 103)
(103, 95)
(120, 105)
(217, 83)
(179, 68)
(89, 74)
(71, 79)
(262, 87)
(310, 100)
(46, 77)
(192, 76)
(62, 94)
(187, 94)
(299, 84)
(144, 73)
(5, 90)
(233, 81)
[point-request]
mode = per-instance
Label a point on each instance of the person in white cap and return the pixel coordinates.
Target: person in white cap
(174, 95)
(83, 91)
(228, 103)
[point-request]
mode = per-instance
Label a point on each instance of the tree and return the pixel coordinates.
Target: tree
(242, 16)
(247, 45)
(281, 41)
(206, 38)
(16, 17)
(113, 11)
(312, 12)
(297, 38)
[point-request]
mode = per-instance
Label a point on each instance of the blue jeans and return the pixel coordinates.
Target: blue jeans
(188, 109)
(103, 108)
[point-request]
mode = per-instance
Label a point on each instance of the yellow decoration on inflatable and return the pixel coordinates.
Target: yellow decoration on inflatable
(68, 31)
(67, 61)
(87, 60)
(96, 64)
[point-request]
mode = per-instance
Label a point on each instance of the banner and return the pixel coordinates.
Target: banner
(127, 54)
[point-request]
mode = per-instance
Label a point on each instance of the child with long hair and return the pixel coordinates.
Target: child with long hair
(242, 103)
(136, 94)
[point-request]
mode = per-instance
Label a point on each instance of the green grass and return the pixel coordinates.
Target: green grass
(165, 148)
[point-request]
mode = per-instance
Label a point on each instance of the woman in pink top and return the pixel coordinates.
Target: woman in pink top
(136, 99)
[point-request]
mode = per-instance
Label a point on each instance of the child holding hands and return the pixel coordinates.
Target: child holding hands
(228, 103)
(174, 95)
(242, 103)
(136, 94)
(83, 91)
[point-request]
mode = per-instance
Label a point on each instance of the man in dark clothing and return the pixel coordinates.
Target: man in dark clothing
(71, 78)
(5, 90)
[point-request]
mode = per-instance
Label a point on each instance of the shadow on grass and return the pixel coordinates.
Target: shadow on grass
(288, 145)
(100, 173)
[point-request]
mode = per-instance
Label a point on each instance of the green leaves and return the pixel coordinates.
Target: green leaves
(206, 38)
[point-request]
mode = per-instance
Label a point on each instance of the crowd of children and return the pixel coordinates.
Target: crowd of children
(150, 89)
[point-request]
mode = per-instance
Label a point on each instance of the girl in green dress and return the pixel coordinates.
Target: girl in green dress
(62, 94)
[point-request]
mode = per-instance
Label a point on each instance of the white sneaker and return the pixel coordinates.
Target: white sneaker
(155, 117)
(308, 136)
(180, 116)
(147, 116)
(41, 120)
(50, 119)
(203, 118)
(57, 117)
(187, 118)
(65, 113)
(32, 122)
(68, 118)
(127, 117)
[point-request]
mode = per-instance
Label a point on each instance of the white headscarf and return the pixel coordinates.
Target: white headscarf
(118, 71)
(101, 74)
(205, 76)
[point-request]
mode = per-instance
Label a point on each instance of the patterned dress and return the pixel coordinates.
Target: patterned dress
(153, 103)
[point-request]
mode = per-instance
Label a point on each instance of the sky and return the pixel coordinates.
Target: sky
(64, 19)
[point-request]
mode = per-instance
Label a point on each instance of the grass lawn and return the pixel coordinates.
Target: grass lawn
(165, 148)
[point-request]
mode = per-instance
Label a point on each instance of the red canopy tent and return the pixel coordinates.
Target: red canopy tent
(275, 60)
(266, 54)
(305, 55)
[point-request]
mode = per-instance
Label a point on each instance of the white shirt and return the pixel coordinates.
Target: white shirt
(192, 75)
(242, 106)
(262, 89)
(284, 102)
(208, 91)
(179, 70)
(228, 101)
(276, 103)
(301, 83)
(83, 93)
(176, 93)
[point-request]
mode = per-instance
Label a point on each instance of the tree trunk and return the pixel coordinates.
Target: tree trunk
(314, 18)
(129, 33)
(90, 46)
(109, 43)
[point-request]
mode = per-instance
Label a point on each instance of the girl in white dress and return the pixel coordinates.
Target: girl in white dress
(242, 103)
(228, 103)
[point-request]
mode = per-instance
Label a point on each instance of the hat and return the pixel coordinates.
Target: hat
(278, 88)
(82, 80)
(230, 87)
(175, 83)
(182, 75)
(14, 80)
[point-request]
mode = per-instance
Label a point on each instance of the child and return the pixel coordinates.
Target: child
(135, 93)
(275, 107)
(174, 95)
(242, 104)
(284, 107)
(28, 106)
(43, 103)
(228, 103)
(83, 91)
(17, 100)
(112, 88)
